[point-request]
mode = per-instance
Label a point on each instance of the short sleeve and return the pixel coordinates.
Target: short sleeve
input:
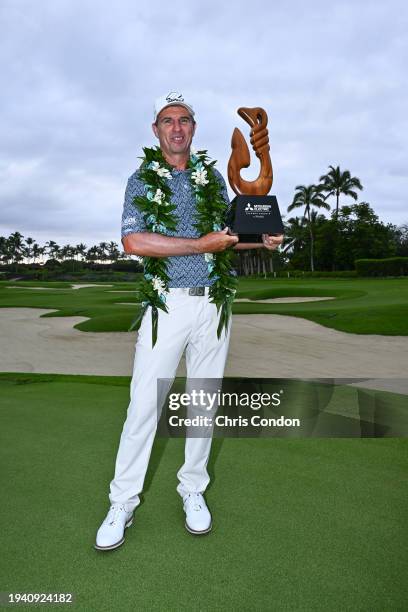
(132, 218)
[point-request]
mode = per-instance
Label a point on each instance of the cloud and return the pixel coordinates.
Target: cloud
(79, 80)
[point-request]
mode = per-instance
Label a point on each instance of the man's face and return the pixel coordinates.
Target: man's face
(175, 130)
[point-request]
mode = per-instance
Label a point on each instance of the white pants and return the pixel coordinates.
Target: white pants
(191, 325)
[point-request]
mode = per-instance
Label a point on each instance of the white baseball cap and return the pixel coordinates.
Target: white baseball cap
(173, 98)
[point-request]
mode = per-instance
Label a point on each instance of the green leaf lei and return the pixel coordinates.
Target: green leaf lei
(158, 214)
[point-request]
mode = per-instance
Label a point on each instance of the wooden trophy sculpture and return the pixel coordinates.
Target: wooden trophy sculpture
(254, 212)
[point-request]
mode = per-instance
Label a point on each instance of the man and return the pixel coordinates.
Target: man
(190, 324)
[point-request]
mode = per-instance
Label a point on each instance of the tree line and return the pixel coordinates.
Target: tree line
(16, 248)
(352, 231)
(312, 240)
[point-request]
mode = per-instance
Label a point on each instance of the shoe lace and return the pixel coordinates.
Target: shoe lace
(114, 513)
(194, 500)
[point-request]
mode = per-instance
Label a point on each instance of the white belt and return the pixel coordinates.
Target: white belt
(193, 291)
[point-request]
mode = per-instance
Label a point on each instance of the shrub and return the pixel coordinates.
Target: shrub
(308, 274)
(392, 266)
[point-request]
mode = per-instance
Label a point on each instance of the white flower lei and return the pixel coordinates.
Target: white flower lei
(158, 213)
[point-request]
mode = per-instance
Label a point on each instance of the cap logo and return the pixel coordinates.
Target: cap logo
(173, 96)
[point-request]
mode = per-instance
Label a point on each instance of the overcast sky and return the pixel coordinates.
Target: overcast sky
(78, 80)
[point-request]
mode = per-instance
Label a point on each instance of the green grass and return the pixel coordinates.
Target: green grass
(312, 524)
(364, 306)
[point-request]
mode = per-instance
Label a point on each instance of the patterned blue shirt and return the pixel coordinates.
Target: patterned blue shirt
(183, 270)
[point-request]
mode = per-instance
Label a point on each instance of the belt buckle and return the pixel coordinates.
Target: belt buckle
(196, 291)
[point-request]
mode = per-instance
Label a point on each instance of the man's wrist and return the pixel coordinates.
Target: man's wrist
(196, 245)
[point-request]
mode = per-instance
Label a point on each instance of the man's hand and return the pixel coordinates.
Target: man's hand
(214, 242)
(272, 242)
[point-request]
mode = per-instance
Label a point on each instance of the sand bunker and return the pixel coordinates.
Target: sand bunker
(76, 286)
(261, 346)
(284, 300)
(81, 286)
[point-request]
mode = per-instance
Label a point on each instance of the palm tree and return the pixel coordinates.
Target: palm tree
(266, 259)
(4, 250)
(113, 251)
(294, 234)
(29, 248)
(309, 197)
(37, 251)
(65, 252)
(15, 245)
(81, 250)
(336, 182)
(52, 249)
(102, 250)
(92, 254)
(68, 254)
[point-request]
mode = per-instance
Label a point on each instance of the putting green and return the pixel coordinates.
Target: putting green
(313, 524)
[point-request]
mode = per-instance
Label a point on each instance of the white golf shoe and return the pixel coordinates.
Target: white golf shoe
(111, 533)
(198, 517)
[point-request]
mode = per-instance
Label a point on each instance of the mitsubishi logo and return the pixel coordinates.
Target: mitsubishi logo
(249, 206)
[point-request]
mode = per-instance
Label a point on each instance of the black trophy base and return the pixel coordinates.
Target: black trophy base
(254, 215)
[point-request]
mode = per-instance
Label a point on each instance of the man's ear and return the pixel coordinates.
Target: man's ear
(154, 128)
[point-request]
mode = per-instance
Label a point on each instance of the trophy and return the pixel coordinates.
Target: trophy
(253, 211)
